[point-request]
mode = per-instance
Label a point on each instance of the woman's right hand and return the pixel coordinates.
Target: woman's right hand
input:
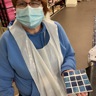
(81, 94)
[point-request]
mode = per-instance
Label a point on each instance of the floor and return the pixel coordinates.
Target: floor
(78, 23)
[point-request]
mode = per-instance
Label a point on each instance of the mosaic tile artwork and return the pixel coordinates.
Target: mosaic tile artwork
(77, 82)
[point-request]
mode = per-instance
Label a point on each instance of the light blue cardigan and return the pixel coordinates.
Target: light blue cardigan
(12, 65)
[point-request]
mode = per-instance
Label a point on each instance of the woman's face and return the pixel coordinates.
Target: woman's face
(24, 3)
(29, 13)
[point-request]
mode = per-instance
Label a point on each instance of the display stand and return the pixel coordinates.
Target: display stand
(91, 71)
(56, 7)
(7, 12)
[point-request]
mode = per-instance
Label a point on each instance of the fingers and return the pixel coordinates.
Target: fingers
(79, 94)
(86, 93)
(69, 70)
(83, 94)
(69, 95)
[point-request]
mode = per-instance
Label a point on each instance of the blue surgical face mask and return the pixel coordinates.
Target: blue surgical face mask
(30, 17)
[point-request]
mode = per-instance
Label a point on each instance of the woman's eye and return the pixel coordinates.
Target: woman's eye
(21, 4)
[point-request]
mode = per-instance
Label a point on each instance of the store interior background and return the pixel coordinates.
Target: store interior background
(78, 22)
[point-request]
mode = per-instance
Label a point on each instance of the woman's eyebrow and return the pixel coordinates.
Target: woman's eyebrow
(35, 0)
(20, 1)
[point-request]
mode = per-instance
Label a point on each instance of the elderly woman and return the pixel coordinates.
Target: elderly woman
(34, 52)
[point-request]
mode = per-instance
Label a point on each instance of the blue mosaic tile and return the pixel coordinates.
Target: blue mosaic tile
(75, 89)
(77, 72)
(80, 83)
(86, 82)
(82, 88)
(65, 73)
(78, 77)
(84, 76)
(71, 73)
(66, 79)
(72, 78)
(88, 88)
(69, 90)
(68, 85)
(74, 84)
(82, 71)
(77, 82)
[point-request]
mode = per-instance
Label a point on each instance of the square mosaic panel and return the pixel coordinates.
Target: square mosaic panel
(77, 82)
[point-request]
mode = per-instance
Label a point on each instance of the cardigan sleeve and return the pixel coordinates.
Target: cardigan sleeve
(68, 53)
(6, 72)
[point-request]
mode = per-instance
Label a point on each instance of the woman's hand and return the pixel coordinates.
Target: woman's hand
(81, 94)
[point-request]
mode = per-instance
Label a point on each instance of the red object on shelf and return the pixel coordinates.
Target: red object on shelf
(8, 3)
(11, 13)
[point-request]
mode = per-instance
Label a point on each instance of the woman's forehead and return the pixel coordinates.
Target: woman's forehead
(28, 0)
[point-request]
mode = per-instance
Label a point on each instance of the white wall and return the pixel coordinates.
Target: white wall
(71, 3)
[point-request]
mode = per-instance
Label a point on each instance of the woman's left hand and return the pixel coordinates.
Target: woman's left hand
(81, 94)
